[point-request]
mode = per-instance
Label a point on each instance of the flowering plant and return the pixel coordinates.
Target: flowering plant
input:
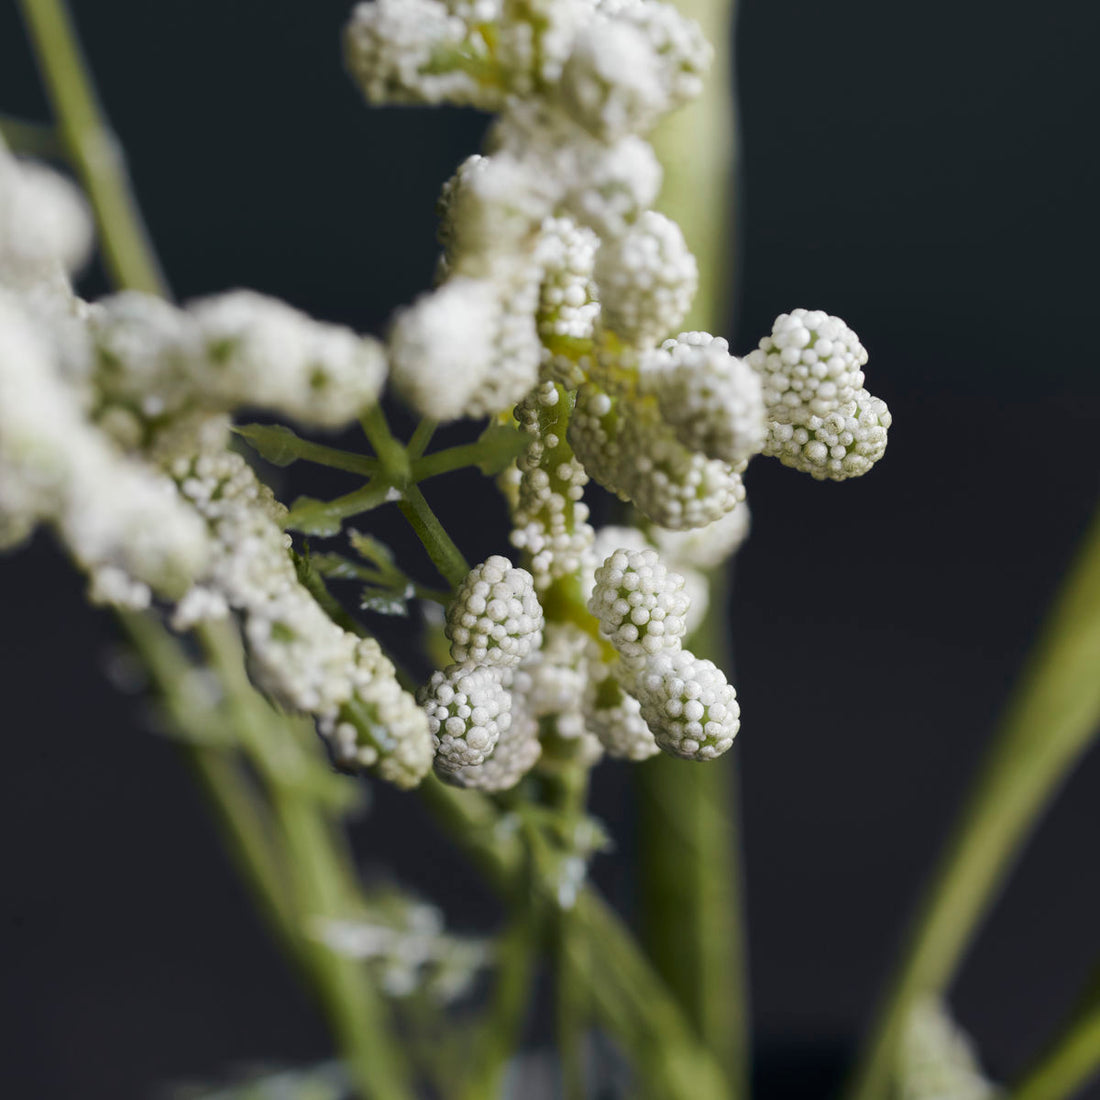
(559, 318)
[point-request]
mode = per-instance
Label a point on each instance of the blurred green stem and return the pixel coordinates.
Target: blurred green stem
(688, 832)
(92, 148)
(1052, 718)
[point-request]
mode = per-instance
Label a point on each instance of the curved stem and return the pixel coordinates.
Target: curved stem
(1051, 720)
(1069, 1062)
(92, 148)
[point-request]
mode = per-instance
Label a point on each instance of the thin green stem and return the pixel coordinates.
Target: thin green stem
(443, 462)
(443, 551)
(421, 437)
(1052, 718)
(394, 457)
(92, 148)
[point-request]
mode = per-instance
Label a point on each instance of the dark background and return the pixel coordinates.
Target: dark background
(925, 171)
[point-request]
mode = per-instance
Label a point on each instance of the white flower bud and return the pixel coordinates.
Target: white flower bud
(640, 604)
(615, 717)
(516, 753)
(467, 708)
(688, 704)
(846, 443)
(495, 617)
(613, 185)
(646, 279)
(712, 399)
(704, 547)
(810, 365)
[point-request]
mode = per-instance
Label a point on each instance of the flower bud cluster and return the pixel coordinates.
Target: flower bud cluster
(687, 704)
(483, 735)
(298, 655)
(821, 419)
(234, 349)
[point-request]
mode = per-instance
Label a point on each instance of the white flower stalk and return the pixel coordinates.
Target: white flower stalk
(687, 704)
(550, 519)
(495, 617)
(121, 520)
(640, 605)
(468, 708)
(615, 717)
(517, 751)
(810, 365)
(626, 446)
(45, 223)
(298, 655)
(846, 443)
(647, 279)
(712, 400)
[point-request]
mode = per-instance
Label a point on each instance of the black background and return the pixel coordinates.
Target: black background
(925, 171)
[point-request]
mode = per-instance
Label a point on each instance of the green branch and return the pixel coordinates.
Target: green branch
(92, 148)
(1051, 720)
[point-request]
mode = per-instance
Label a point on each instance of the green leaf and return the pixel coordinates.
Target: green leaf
(374, 551)
(273, 442)
(384, 601)
(313, 517)
(500, 446)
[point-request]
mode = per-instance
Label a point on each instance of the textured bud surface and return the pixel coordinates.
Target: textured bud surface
(467, 709)
(495, 617)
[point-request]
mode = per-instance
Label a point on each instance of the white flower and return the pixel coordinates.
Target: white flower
(568, 306)
(549, 516)
(615, 717)
(810, 365)
(846, 443)
(640, 604)
(712, 399)
(495, 617)
(688, 705)
(613, 185)
(704, 547)
(467, 708)
(442, 346)
(516, 753)
(646, 279)
(626, 446)
(45, 223)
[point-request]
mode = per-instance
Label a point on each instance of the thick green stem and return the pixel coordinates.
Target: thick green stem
(92, 148)
(445, 555)
(1051, 720)
(691, 879)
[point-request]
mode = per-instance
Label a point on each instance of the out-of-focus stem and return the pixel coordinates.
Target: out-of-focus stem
(1052, 718)
(92, 148)
(690, 872)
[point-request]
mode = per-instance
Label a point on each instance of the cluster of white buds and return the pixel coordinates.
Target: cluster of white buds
(232, 350)
(483, 734)
(297, 653)
(685, 701)
(821, 419)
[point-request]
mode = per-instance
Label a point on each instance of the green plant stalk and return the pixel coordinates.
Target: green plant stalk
(691, 879)
(92, 148)
(31, 138)
(628, 998)
(1070, 1060)
(320, 881)
(1051, 719)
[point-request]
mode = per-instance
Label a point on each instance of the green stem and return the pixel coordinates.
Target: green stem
(441, 548)
(1070, 1061)
(320, 881)
(627, 997)
(1051, 719)
(92, 148)
(688, 846)
(443, 462)
(421, 437)
(394, 457)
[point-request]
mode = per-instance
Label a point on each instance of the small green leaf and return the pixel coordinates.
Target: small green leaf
(273, 442)
(385, 602)
(500, 446)
(372, 550)
(313, 517)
